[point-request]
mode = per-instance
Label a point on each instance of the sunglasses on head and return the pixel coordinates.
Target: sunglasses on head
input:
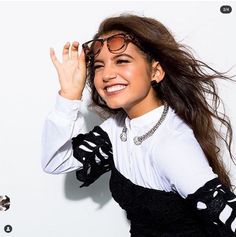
(116, 44)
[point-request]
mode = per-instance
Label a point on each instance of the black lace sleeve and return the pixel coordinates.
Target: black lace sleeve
(215, 204)
(94, 151)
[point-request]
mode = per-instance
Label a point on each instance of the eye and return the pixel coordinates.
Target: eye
(97, 66)
(121, 61)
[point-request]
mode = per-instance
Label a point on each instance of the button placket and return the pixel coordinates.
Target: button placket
(128, 145)
(131, 148)
(128, 148)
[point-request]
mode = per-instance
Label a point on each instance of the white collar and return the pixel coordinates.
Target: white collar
(146, 119)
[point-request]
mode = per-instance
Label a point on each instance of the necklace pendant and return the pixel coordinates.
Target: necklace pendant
(137, 141)
(123, 137)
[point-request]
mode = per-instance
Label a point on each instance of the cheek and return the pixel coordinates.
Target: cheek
(98, 86)
(139, 76)
(129, 73)
(96, 83)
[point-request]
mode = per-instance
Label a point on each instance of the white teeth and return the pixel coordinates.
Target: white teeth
(115, 88)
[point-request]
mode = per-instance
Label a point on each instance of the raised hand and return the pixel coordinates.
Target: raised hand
(71, 71)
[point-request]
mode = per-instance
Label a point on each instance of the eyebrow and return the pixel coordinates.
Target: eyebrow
(114, 57)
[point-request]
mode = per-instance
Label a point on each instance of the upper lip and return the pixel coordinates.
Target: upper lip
(114, 84)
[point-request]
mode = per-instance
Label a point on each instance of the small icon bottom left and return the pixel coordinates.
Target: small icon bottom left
(8, 228)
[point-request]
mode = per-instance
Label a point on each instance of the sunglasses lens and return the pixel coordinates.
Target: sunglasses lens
(93, 47)
(116, 44)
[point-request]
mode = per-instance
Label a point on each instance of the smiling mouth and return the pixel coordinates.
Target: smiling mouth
(115, 88)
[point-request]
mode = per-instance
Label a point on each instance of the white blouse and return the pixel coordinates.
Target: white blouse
(171, 159)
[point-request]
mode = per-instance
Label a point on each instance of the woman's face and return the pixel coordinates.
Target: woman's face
(123, 80)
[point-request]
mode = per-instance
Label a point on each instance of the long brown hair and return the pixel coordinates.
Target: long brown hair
(187, 84)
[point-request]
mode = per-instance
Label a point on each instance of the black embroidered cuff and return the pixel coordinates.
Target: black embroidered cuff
(215, 204)
(94, 151)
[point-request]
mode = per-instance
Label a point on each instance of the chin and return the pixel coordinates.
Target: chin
(114, 105)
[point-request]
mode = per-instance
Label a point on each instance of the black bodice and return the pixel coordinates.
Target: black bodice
(154, 213)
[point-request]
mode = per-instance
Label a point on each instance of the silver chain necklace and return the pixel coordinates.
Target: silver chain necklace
(139, 139)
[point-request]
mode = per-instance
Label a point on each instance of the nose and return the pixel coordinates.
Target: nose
(109, 73)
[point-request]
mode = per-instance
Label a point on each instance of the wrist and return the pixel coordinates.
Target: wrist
(70, 96)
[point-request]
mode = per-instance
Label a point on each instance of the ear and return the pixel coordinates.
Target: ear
(158, 73)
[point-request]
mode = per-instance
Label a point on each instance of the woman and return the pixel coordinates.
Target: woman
(159, 141)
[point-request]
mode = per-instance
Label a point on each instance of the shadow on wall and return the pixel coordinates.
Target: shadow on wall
(99, 190)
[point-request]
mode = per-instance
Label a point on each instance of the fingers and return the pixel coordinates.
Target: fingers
(65, 51)
(53, 57)
(74, 50)
(70, 51)
(82, 62)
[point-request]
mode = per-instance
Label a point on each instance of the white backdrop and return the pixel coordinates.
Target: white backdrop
(54, 205)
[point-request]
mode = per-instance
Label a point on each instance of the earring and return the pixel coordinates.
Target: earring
(154, 84)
